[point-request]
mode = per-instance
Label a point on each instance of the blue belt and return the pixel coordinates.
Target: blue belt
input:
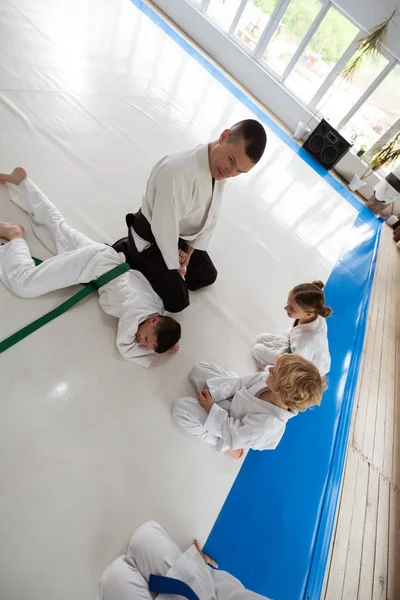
(167, 585)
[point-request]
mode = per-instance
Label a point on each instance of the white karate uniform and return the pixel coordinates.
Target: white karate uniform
(179, 202)
(309, 340)
(152, 552)
(78, 259)
(238, 418)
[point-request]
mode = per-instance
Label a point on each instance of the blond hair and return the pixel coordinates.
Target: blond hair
(311, 298)
(298, 382)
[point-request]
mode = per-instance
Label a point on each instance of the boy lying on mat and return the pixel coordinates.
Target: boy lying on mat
(143, 330)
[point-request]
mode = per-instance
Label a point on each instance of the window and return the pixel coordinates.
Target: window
(253, 21)
(291, 30)
(326, 47)
(342, 95)
(305, 44)
(222, 12)
(378, 113)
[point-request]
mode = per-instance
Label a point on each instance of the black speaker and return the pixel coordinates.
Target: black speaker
(326, 145)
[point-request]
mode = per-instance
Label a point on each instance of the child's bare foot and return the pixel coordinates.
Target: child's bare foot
(11, 231)
(236, 453)
(18, 175)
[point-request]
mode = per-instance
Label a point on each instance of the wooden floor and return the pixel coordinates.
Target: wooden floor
(365, 552)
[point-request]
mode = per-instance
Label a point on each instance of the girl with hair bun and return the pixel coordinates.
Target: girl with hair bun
(309, 334)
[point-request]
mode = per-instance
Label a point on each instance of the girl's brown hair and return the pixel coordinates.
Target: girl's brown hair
(310, 297)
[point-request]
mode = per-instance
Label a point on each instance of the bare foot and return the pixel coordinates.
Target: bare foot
(18, 175)
(11, 231)
(236, 453)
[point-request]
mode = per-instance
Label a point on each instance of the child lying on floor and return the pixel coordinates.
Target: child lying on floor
(143, 330)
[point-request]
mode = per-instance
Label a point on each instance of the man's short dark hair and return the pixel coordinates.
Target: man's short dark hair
(168, 334)
(254, 137)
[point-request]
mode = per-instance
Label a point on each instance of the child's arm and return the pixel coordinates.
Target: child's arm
(127, 345)
(224, 387)
(235, 433)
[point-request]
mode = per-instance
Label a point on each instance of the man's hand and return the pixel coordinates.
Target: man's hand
(184, 256)
(182, 271)
(206, 400)
(207, 559)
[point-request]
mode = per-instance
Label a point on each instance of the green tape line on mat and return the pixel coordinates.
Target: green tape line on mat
(89, 288)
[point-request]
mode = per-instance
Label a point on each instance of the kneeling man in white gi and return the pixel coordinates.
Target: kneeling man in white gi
(235, 413)
(168, 237)
(155, 565)
(142, 328)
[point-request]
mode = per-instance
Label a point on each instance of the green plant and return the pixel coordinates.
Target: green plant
(368, 46)
(362, 150)
(385, 153)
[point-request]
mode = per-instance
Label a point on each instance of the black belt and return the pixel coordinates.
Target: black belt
(142, 227)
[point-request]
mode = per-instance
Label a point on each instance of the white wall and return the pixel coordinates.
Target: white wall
(367, 13)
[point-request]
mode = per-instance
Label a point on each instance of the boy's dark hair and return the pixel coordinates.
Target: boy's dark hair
(168, 334)
(254, 136)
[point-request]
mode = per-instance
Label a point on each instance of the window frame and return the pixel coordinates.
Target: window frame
(257, 53)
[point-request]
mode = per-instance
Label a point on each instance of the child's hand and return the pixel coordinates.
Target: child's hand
(206, 400)
(207, 559)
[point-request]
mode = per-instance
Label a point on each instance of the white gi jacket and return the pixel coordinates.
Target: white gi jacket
(309, 340)
(247, 421)
(179, 202)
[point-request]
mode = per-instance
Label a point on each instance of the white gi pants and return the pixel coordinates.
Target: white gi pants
(188, 412)
(151, 551)
(268, 347)
(78, 258)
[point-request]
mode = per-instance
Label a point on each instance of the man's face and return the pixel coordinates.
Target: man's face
(146, 333)
(228, 159)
